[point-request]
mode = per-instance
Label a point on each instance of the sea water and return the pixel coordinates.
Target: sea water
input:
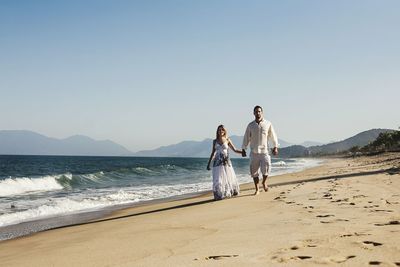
(39, 188)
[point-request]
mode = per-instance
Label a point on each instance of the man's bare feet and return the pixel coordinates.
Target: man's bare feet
(256, 193)
(265, 187)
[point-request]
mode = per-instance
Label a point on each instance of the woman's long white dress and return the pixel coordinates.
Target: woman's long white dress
(224, 178)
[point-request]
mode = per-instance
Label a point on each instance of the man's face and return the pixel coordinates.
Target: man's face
(258, 114)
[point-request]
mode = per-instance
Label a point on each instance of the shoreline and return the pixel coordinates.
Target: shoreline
(345, 211)
(32, 227)
(28, 228)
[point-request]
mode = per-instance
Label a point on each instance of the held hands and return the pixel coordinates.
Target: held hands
(243, 153)
(275, 151)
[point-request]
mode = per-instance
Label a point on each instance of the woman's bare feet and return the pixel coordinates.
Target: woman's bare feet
(256, 193)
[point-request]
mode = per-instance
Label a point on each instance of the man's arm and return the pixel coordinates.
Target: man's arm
(246, 140)
(272, 136)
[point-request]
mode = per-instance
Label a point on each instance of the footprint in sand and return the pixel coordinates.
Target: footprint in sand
(381, 210)
(371, 206)
(337, 220)
(303, 257)
(341, 259)
(375, 263)
(327, 196)
(220, 257)
(308, 243)
(333, 259)
(325, 216)
(346, 235)
(296, 247)
(341, 200)
(355, 234)
(285, 259)
(359, 196)
(375, 244)
(298, 185)
(308, 208)
(361, 234)
(389, 223)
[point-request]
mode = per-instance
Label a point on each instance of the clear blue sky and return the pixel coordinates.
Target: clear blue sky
(152, 73)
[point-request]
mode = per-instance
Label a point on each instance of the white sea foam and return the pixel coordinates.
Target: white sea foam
(143, 170)
(120, 197)
(66, 206)
(304, 163)
(16, 186)
(94, 177)
(99, 198)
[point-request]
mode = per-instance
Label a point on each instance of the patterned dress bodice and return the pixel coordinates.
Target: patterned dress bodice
(221, 155)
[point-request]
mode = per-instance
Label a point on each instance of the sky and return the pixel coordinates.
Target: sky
(150, 73)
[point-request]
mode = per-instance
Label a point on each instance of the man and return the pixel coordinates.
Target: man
(258, 133)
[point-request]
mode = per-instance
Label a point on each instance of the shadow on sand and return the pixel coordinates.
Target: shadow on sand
(390, 171)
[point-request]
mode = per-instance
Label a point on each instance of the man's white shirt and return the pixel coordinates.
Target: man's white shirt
(258, 134)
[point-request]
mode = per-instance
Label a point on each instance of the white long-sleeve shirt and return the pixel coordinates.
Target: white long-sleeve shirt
(258, 134)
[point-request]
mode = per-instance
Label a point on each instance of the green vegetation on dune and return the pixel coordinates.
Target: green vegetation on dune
(385, 142)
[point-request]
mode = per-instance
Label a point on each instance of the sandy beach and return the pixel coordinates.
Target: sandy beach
(345, 212)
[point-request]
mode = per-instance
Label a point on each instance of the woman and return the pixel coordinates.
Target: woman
(224, 177)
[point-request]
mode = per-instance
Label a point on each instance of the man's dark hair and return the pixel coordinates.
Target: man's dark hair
(256, 107)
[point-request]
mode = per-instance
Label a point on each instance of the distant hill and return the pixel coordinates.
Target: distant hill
(360, 140)
(386, 142)
(193, 148)
(294, 152)
(15, 142)
(311, 143)
(31, 143)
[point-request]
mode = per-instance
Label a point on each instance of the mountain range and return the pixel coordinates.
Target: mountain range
(361, 139)
(193, 148)
(17, 142)
(203, 148)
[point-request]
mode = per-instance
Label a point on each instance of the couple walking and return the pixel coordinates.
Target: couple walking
(257, 134)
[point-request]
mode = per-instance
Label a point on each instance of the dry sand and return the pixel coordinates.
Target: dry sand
(345, 212)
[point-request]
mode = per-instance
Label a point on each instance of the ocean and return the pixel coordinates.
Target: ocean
(43, 192)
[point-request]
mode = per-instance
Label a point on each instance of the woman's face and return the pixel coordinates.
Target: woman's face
(221, 131)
